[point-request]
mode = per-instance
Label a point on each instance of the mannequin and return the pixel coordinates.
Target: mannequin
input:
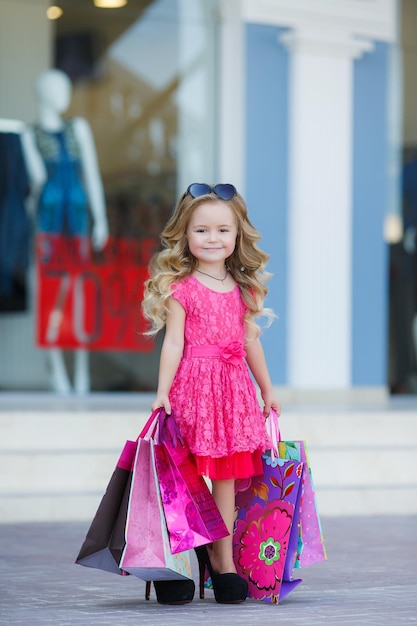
(11, 126)
(65, 210)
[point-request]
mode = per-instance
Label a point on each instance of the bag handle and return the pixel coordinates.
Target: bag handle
(148, 431)
(168, 429)
(272, 428)
(161, 427)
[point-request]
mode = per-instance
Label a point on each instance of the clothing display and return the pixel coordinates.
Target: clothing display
(63, 202)
(403, 287)
(213, 396)
(14, 224)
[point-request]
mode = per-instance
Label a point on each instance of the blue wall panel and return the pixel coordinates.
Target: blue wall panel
(267, 174)
(370, 196)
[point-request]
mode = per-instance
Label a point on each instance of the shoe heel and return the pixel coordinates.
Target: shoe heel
(148, 590)
(202, 574)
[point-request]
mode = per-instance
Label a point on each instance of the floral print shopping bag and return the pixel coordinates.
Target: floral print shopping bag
(277, 526)
(266, 537)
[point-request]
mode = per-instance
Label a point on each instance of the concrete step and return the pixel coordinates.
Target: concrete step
(55, 461)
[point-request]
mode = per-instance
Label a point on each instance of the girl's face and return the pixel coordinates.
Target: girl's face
(212, 232)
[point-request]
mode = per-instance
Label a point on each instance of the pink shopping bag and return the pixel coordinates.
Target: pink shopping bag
(311, 547)
(191, 515)
(147, 552)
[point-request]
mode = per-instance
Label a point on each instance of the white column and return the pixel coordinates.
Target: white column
(320, 184)
(231, 128)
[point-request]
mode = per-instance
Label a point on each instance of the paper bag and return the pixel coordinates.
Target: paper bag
(147, 552)
(105, 539)
(191, 514)
(265, 541)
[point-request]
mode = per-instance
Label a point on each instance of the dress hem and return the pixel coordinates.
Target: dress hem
(238, 465)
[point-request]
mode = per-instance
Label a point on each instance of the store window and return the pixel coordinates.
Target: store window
(402, 375)
(142, 78)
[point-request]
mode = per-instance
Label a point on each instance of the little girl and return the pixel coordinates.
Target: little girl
(206, 287)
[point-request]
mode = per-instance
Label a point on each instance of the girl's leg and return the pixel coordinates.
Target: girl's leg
(221, 552)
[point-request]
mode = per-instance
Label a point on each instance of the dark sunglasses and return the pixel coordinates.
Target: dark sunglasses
(224, 191)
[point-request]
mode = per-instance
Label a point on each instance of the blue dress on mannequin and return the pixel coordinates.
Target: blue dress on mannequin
(62, 206)
(14, 223)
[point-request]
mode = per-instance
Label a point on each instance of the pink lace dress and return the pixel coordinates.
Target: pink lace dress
(213, 396)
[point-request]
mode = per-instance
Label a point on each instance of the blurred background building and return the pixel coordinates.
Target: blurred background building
(308, 106)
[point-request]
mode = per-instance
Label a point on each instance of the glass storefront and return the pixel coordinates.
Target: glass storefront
(143, 78)
(402, 374)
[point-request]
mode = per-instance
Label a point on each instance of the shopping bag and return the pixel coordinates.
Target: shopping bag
(265, 540)
(147, 554)
(105, 539)
(191, 514)
(311, 547)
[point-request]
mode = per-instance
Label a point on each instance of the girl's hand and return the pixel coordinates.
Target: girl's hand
(162, 402)
(270, 402)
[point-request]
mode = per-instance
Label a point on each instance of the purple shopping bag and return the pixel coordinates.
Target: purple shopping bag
(311, 547)
(265, 540)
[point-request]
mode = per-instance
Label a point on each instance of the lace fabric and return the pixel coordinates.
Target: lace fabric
(213, 397)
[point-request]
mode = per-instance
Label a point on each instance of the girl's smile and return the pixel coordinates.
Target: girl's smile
(211, 233)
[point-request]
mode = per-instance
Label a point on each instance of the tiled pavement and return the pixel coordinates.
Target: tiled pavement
(370, 578)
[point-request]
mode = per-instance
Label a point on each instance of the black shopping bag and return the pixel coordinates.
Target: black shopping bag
(105, 540)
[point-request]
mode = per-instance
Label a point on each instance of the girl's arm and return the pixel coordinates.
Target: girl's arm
(171, 353)
(255, 358)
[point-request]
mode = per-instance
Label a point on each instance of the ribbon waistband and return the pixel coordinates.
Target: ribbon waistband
(202, 351)
(232, 352)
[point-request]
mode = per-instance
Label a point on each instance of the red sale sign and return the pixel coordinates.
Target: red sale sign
(88, 300)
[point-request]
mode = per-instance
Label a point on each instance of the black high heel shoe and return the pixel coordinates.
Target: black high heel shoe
(172, 591)
(228, 588)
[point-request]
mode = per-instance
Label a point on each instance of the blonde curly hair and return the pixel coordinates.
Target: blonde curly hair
(175, 262)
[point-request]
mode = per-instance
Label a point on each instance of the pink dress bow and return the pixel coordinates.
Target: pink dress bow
(232, 352)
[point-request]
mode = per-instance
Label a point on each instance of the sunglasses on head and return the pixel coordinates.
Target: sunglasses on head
(224, 191)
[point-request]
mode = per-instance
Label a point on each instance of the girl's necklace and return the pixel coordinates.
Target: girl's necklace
(221, 280)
